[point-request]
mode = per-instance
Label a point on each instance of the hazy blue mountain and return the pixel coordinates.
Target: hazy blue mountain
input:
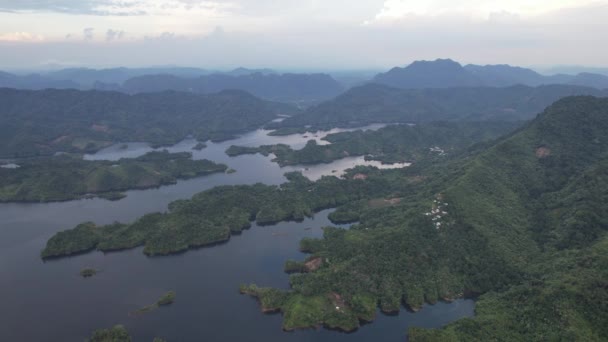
(505, 75)
(575, 69)
(88, 77)
(245, 71)
(441, 73)
(305, 88)
(34, 82)
(590, 80)
(446, 73)
(373, 103)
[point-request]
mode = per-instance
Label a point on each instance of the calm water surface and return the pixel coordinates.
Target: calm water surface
(49, 301)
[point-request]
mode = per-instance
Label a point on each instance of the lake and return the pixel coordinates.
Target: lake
(49, 301)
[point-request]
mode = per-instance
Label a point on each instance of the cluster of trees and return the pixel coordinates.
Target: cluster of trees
(48, 121)
(69, 177)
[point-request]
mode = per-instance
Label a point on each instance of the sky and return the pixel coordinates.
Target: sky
(300, 34)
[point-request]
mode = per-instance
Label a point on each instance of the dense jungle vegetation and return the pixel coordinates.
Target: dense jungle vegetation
(68, 177)
(520, 222)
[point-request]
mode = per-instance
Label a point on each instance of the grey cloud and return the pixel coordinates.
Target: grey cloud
(88, 33)
(574, 36)
(71, 6)
(113, 34)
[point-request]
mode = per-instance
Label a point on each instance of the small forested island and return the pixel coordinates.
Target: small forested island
(166, 299)
(392, 144)
(520, 223)
(88, 272)
(200, 146)
(69, 177)
(118, 333)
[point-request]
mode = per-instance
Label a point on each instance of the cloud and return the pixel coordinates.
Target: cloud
(88, 33)
(479, 9)
(114, 35)
(317, 34)
(20, 37)
(108, 7)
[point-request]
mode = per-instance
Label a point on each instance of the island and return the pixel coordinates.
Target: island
(68, 177)
(167, 299)
(200, 146)
(88, 272)
(117, 333)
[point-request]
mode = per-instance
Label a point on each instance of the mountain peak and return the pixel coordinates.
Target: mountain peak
(438, 63)
(440, 73)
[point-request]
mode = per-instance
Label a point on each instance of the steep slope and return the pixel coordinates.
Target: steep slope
(373, 103)
(44, 122)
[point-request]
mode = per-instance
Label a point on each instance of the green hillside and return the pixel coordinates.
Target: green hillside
(47, 121)
(516, 222)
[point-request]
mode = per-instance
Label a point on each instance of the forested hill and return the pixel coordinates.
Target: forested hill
(44, 122)
(539, 199)
(374, 103)
(523, 222)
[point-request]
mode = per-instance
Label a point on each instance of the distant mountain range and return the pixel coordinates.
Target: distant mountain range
(265, 83)
(304, 88)
(446, 73)
(373, 103)
(33, 82)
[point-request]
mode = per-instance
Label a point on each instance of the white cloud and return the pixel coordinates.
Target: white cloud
(20, 37)
(480, 9)
(311, 33)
